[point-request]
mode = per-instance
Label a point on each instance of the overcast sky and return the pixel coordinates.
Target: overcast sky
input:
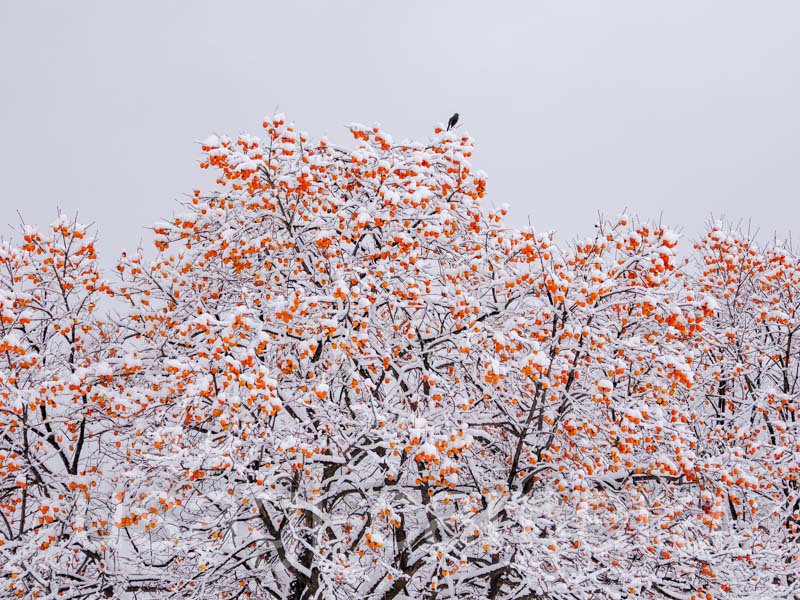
(681, 108)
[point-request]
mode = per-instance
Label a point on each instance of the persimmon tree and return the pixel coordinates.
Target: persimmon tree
(342, 374)
(57, 401)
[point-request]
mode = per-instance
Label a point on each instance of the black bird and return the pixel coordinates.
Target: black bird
(452, 122)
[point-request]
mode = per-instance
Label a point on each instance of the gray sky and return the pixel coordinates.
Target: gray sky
(680, 108)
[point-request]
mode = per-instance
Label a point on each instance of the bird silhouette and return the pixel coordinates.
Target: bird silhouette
(452, 122)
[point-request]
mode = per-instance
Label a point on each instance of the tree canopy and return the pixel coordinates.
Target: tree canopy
(342, 374)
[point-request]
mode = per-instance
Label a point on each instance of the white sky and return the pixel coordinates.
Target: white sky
(681, 108)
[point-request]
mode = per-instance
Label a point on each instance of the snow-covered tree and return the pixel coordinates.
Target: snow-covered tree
(343, 375)
(59, 395)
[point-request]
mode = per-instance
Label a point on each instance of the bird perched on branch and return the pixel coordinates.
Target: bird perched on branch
(452, 122)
